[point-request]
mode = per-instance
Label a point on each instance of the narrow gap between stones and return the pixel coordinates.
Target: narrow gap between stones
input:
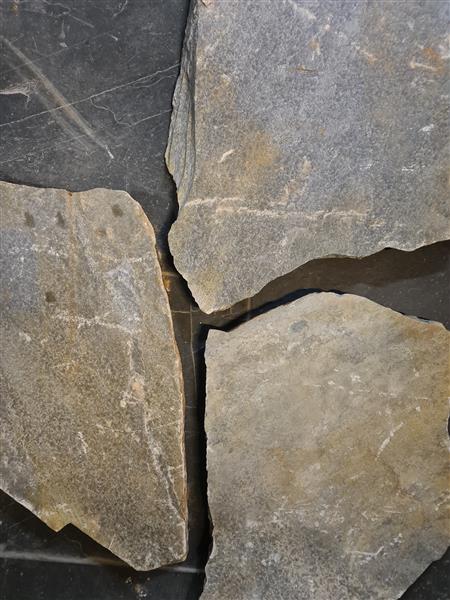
(366, 277)
(403, 281)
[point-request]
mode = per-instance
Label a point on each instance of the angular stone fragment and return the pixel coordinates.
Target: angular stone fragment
(304, 129)
(91, 394)
(327, 452)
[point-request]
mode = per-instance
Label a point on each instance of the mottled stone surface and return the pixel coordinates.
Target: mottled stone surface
(91, 391)
(327, 452)
(304, 129)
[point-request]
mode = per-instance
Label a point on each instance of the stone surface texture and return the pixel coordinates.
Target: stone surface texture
(304, 129)
(327, 452)
(92, 406)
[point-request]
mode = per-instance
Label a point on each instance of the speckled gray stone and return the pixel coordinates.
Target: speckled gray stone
(91, 401)
(304, 129)
(327, 452)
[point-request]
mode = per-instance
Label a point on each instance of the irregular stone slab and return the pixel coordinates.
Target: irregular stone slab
(305, 129)
(91, 391)
(327, 452)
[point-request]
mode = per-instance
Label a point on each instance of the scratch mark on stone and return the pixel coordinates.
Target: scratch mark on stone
(25, 88)
(84, 445)
(371, 58)
(96, 95)
(135, 390)
(86, 322)
(389, 438)
(368, 554)
(56, 96)
(146, 86)
(67, 13)
(110, 110)
(252, 211)
(121, 9)
(164, 474)
(58, 52)
(151, 117)
(225, 155)
(44, 148)
(416, 65)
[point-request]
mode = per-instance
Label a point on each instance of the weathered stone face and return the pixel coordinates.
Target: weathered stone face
(91, 390)
(303, 130)
(327, 452)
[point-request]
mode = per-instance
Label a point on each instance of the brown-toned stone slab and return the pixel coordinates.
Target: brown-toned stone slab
(91, 397)
(304, 129)
(328, 467)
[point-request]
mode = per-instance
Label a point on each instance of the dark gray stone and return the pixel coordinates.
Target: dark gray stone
(327, 452)
(92, 410)
(303, 130)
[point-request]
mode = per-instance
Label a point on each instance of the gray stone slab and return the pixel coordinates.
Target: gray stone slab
(92, 409)
(305, 129)
(327, 452)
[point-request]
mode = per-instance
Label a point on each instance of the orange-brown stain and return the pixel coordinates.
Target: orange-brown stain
(435, 59)
(314, 45)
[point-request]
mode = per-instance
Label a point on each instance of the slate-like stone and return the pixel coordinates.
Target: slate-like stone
(91, 394)
(327, 452)
(304, 129)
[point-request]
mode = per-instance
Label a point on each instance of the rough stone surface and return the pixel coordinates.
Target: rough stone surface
(91, 390)
(304, 129)
(327, 452)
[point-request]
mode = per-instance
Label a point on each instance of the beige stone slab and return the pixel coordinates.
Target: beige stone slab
(328, 471)
(91, 400)
(303, 129)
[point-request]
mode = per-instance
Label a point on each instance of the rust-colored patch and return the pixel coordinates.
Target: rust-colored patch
(258, 152)
(435, 59)
(252, 165)
(314, 45)
(254, 153)
(167, 281)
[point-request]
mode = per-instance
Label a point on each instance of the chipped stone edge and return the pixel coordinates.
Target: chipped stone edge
(213, 333)
(180, 150)
(184, 500)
